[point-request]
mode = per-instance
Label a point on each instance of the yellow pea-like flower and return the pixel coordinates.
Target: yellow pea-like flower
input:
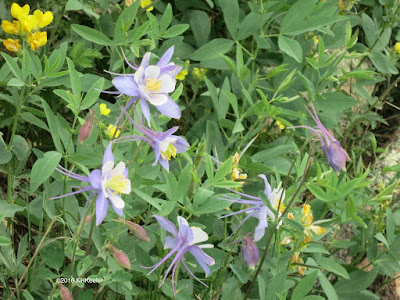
(10, 28)
(12, 45)
(145, 3)
(19, 12)
(104, 110)
(112, 131)
(397, 47)
(43, 19)
(181, 75)
(37, 39)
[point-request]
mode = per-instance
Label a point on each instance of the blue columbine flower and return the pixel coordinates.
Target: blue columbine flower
(107, 183)
(257, 207)
(181, 242)
(151, 84)
(165, 144)
(331, 147)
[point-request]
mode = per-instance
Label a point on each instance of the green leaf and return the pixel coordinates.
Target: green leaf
(15, 82)
(153, 201)
(275, 287)
(12, 64)
(4, 241)
(125, 20)
(358, 281)
(304, 286)
(261, 287)
(93, 94)
(5, 154)
(166, 18)
(230, 10)
(27, 116)
(331, 265)
(223, 170)
(201, 26)
(53, 255)
(250, 25)
(53, 125)
(327, 287)
(43, 168)
(174, 31)
(20, 147)
(291, 47)
(383, 63)
(75, 82)
(212, 49)
(92, 35)
(8, 210)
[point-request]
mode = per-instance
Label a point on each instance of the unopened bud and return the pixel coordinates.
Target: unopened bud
(88, 218)
(250, 252)
(137, 230)
(120, 257)
(86, 128)
(64, 292)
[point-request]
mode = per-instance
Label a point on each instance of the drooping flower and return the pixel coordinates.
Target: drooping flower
(37, 39)
(107, 183)
(104, 110)
(249, 251)
(65, 294)
(165, 144)
(136, 229)
(120, 257)
(86, 128)
(257, 208)
(151, 84)
(12, 45)
(331, 147)
(181, 242)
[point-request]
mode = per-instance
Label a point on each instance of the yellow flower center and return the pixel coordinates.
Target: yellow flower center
(171, 151)
(153, 85)
(118, 183)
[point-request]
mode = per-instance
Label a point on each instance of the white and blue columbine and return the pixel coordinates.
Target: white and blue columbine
(182, 241)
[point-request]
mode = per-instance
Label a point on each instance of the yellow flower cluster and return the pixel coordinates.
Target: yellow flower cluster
(112, 132)
(308, 224)
(27, 27)
(236, 170)
(200, 73)
(182, 74)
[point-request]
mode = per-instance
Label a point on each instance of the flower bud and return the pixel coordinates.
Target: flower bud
(120, 257)
(64, 292)
(87, 220)
(86, 128)
(336, 156)
(137, 230)
(250, 252)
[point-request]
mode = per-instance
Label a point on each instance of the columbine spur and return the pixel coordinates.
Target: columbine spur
(165, 144)
(331, 147)
(107, 183)
(151, 84)
(181, 242)
(258, 208)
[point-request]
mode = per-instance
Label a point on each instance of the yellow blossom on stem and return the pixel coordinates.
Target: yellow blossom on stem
(10, 28)
(19, 12)
(307, 221)
(297, 259)
(200, 73)
(37, 39)
(104, 110)
(181, 75)
(280, 124)
(235, 159)
(12, 45)
(112, 131)
(145, 3)
(43, 19)
(315, 39)
(397, 47)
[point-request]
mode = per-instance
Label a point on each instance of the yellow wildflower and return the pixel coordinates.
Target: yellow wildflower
(307, 221)
(104, 110)
(112, 131)
(12, 45)
(37, 39)
(43, 19)
(10, 28)
(297, 259)
(286, 240)
(290, 216)
(19, 12)
(235, 159)
(315, 38)
(200, 73)
(236, 170)
(129, 2)
(281, 126)
(145, 3)
(181, 75)
(397, 47)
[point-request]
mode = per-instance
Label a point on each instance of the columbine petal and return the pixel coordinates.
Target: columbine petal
(170, 109)
(169, 243)
(199, 235)
(158, 99)
(101, 208)
(263, 223)
(185, 232)
(164, 60)
(167, 84)
(152, 72)
(164, 163)
(126, 85)
(116, 200)
(95, 179)
(107, 167)
(202, 258)
(267, 189)
(167, 225)
(108, 156)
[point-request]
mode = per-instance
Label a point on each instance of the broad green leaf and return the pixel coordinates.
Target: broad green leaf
(53, 255)
(174, 31)
(250, 26)
(304, 286)
(153, 201)
(125, 20)
(291, 47)
(43, 168)
(230, 10)
(92, 35)
(75, 82)
(4, 241)
(8, 210)
(212, 49)
(329, 264)
(20, 147)
(327, 287)
(359, 280)
(12, 64)
(93, 94)
(166, 18)
(276, 286)
(27, 116)
(201, 26)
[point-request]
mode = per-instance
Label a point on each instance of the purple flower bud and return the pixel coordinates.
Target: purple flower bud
(64, 292)
(250, 252)
(86, 128)
(137, 230)
(120, 257)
